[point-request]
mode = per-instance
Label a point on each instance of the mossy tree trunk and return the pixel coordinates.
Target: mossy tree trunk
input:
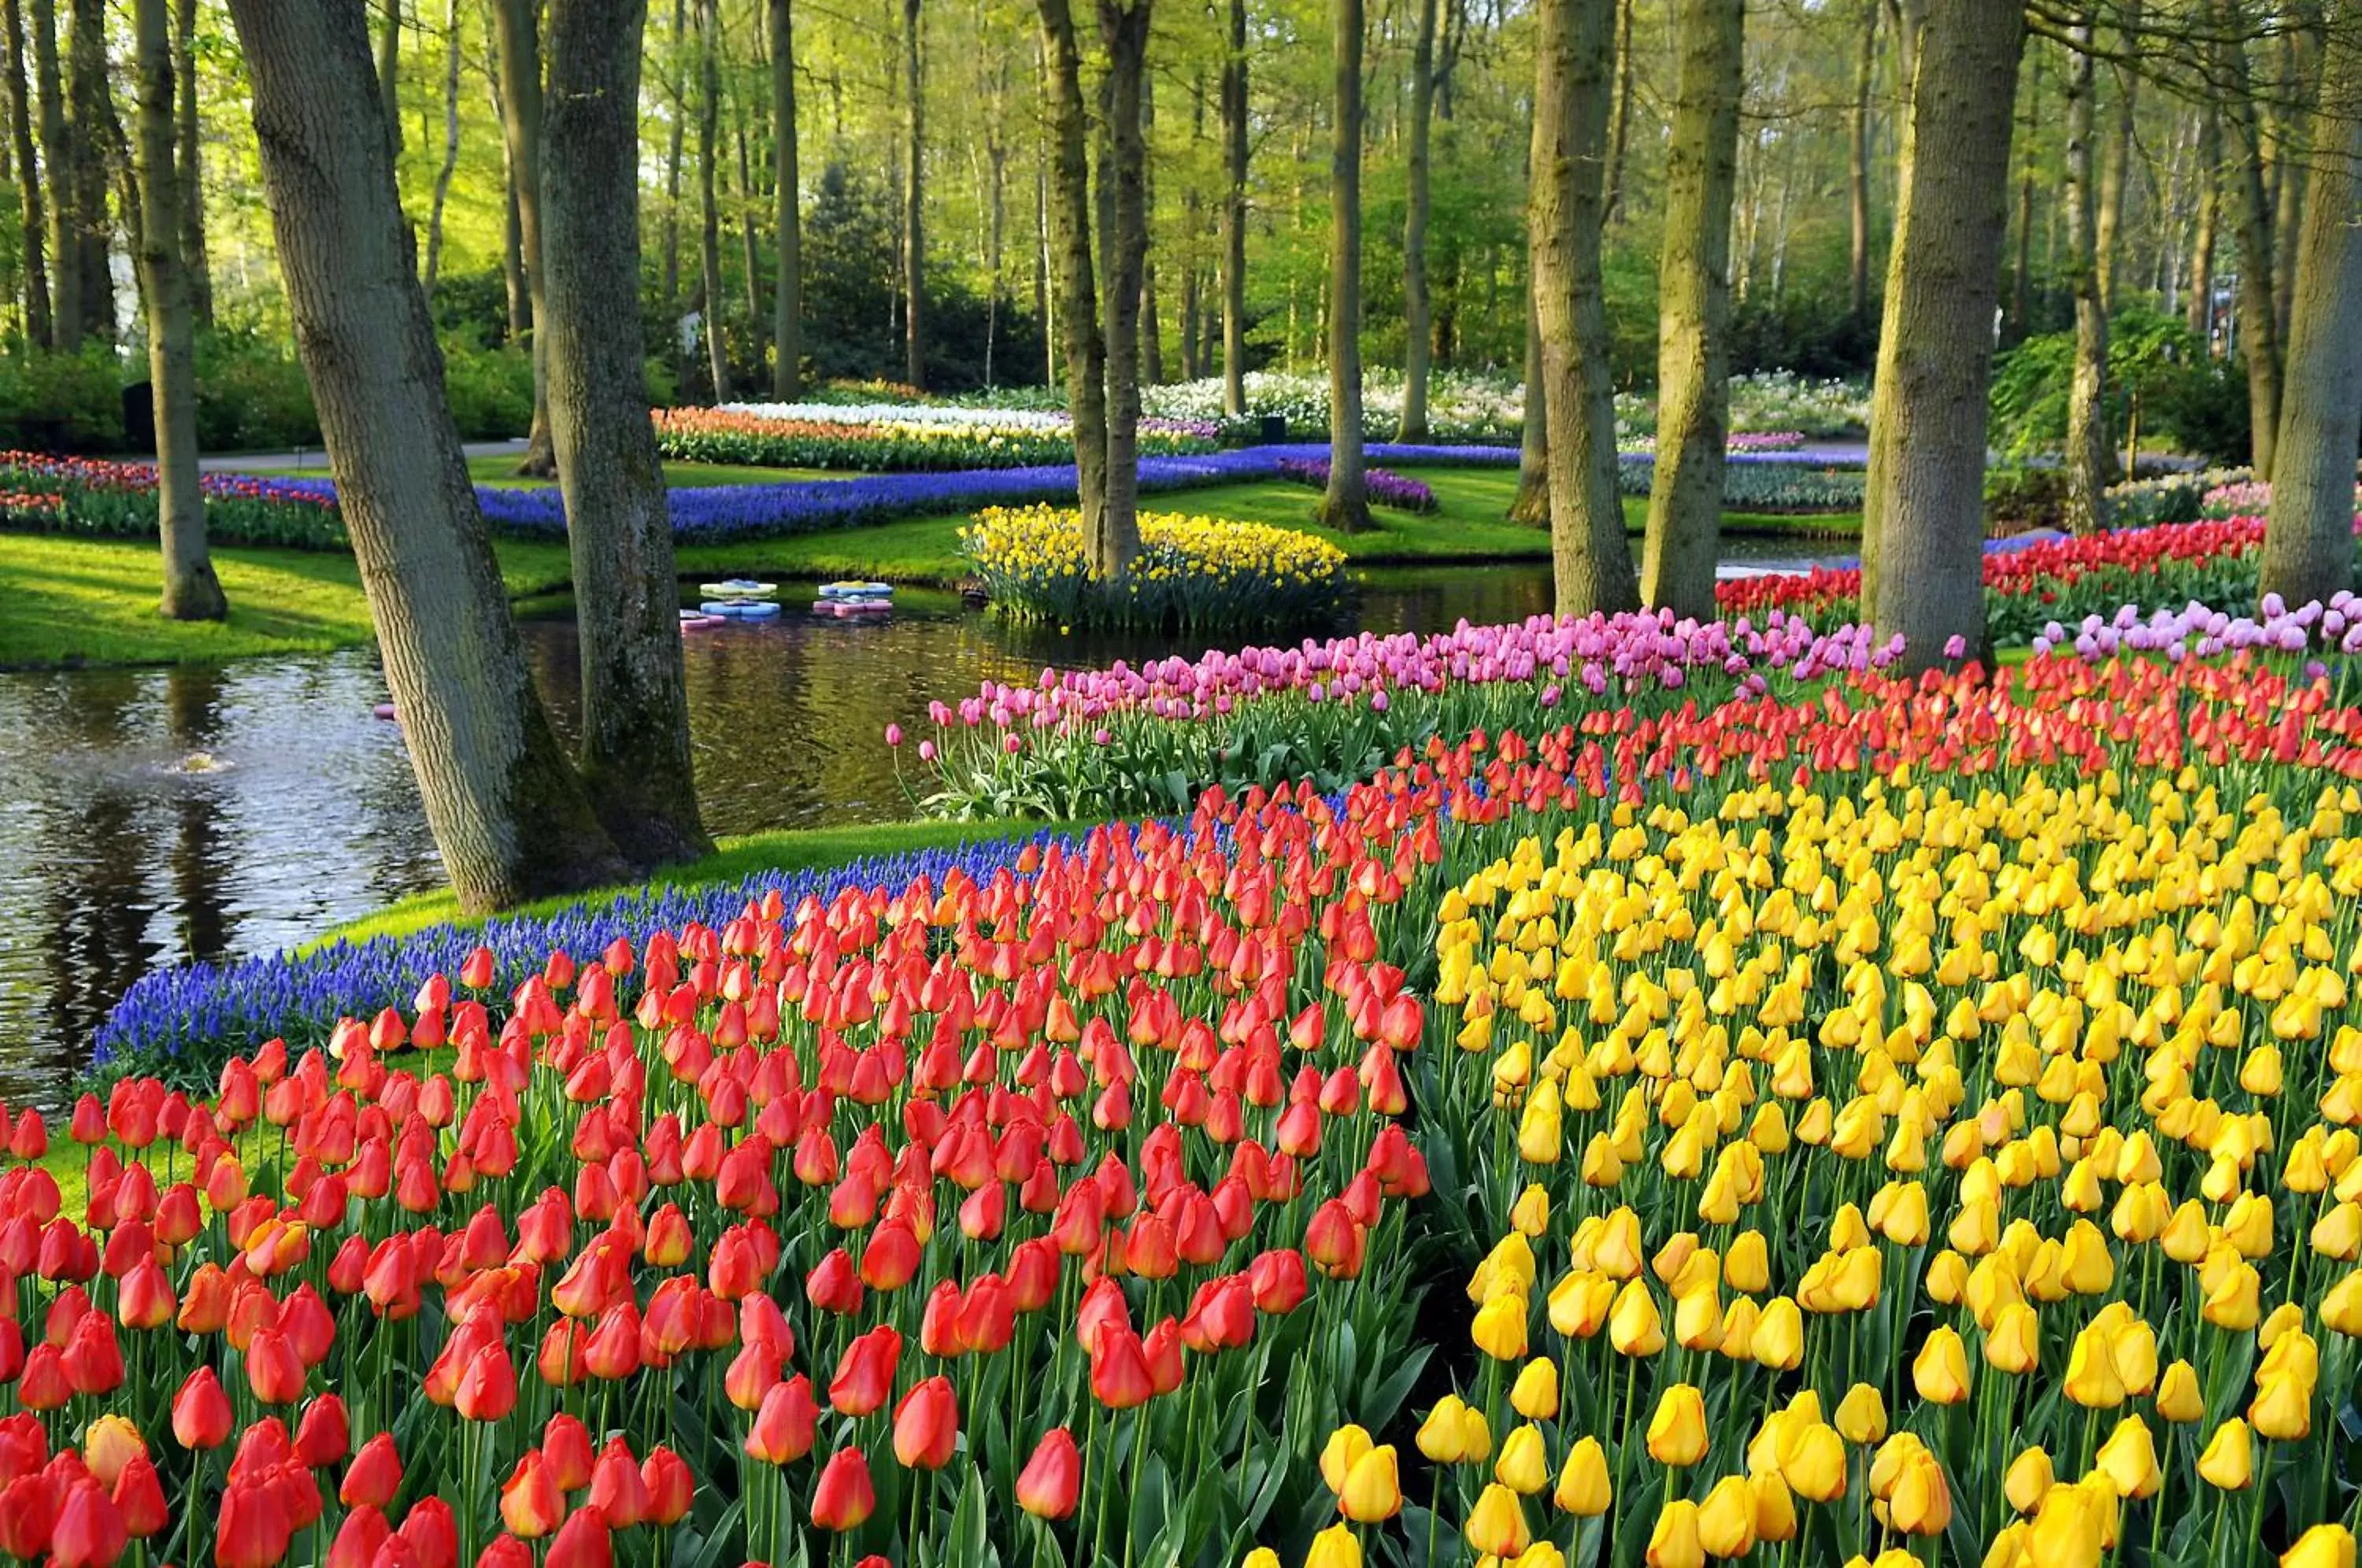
(914, 240)
(191, 591)
(2088, 448)
(634, 753)
(1589, 558)
(1345, 505)
(1234, 211)
(2198, 311)
(2116, 160)
(33, 234)
(1530, 507)
(709, 203)
(1418, 317)
(1123, 33)
(192, 164)
(2309, 543)
(1923, 502)
(508, 813)
(2259, 329)
(1684, 532)
(787, 297)
(517, 36)
(65, 277)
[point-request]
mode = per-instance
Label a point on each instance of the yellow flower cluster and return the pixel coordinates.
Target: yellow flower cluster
(2029, 1117)
(1198, 570)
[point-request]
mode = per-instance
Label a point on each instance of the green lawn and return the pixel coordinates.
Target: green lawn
(72, 602)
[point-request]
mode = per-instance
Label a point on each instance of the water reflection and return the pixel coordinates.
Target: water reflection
(152, 816)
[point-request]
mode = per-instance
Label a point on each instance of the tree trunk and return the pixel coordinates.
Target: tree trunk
(747, 204)
(1530, 508)
(1865, 72)
(2291, 162)
(709, 211)
(517, 46)
(1677, 569)
(1346, 504)
(2088, 448)
(92, 112)
(2309, 543)
(192, 166)
(1234, 213)
(1417, 317)
(191, 591)
(1923, 513)
(508, 813)
(1590, 558)
(33, 236)
(634, 754)
(676, 96)
(389, 79)
(2115, 172)
(1151, 330)
(914, 245)
(2200, 308)
(787, 297)
(450, 145)
(1123, 33)
(1619, 132)
(2257, 326)
(1111, 543)
(57, 165)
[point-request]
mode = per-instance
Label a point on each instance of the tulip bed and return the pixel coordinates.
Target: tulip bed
(1385, 487)
(891, 436)
(1191, 573)
(93, 496)
(1883, 1116)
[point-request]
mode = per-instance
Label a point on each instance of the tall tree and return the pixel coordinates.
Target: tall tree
(1108, 543)
(1418, 317)
(1923, 502)
(1345, 505)
(2254, 316)
(1530, 506)
(914, 243)
(634, 752)
(787, 298)
(516, 37)
(1677, 563)
(1234, 211)
(1589, 558)
(2309, 543)
(1865, 78)
(508, 813)
(93, 114)
(1621, 128)
(57, 165)
(452, 55)
(2199, 309)
(33, 236)
(675, 83)
(191, 591)
(708, 210)
(389, 72)
(192, 165)
(2116, 161)
(2088, 445)
(1123, 33)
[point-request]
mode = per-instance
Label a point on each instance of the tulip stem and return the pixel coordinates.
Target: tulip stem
(1435, 1507)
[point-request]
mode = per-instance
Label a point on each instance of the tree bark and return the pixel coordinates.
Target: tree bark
(2309, 543)
(1590, 558)
(57, 165)
(709, 212)
(192, 166)
(2088, 447)
(508, 813)
(1345, 506)
(2199, 313)
(634, 752)
(1677, 567)
(1530, 507)
(33, 236)
(1109, 547)
(191, 591)
(914, 245)
(1151, 330)
(747, 204)
(450, 145)
(1923, 514)
(2292, 161)
(1865, 73)
(1123, 33)
(676, 96)
(787, 296)
(2115, 169)
(389, 79)
(1418, 317)
(517, 40)
(2256, 320)
(1620, 131)
(93, 113)
(1234, 213)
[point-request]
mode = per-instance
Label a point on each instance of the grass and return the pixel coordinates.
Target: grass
(786, 849)
(93, 601)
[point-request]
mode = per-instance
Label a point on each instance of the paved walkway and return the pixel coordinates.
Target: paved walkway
(314, 461)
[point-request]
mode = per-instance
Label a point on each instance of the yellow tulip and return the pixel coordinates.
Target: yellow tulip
(1674, 1543)
(1862, 1415)
(1940, 1371)
(1540, 1554)
(1336, 1547)
(1778, 1340)
(1677, 1428)
(1815, 1466)
(1372, 1487)
(1747, 1266)
(1497, 1523)
(1499, 1329)
(1475, 1435)
(1261, 1557)
(2236, 1303)
(2129, 1458)
(1775, 1507)
(2282, 1410)
(2013, 1343)
(1529, 1216)
(1535, 1393)
(2229, 1462)
(1524, 1465)
(1440, 1436)
(1725, 1520)
(1922, 1504)
(2322, 1546)
(2178, 1397)
(1584, 1488)
(2069, 1530)
(2027, 1481)
(1633, 1327)
(1345, 1446)
(2092, 1380)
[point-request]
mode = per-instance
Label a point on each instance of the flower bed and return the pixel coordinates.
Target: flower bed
(1764, 482)
(1385, 487)
(897, 436)
(96, 497)
(1191, 572)
(1893, 1111)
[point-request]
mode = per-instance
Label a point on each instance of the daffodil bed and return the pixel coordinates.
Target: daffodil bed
(1191, 572)
(1872, 1118)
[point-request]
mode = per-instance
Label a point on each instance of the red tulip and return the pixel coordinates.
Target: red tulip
(1052, 1480)
(1334, 1241)
(374, 1475)
(582, 1541)
(926, 1425)
(359, 1539)
(891, 1258)
(200, 1412)
(843, 1499)
(89, 1532)
(138, 1496)
(29, 1512)
(254, 1529)
(487, 1388)
(325, 1434)
(618, 1490)
(1162, 1351)
(431, 1532)
(531, 1500)
(1278, 1282)
(505, 1551)
(273, 1371)
(865, 1376)
(566, 1449)
(782, 1432)
(671, 1488)
(1119, 1373)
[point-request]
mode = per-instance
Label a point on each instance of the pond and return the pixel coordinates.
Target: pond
(149, 816)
